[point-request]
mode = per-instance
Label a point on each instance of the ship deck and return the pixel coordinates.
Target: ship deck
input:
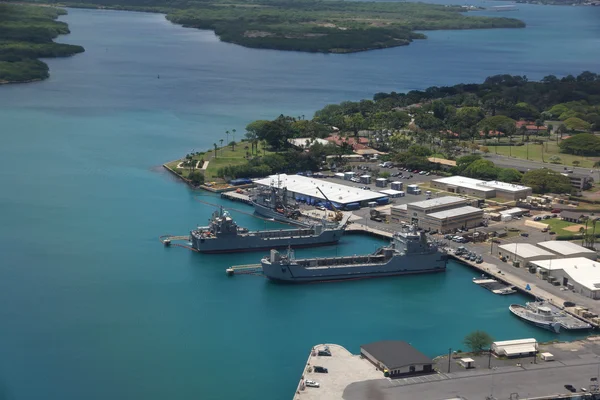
(566, 320)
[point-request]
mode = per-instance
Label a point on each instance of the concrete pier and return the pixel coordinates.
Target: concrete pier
(234, 196)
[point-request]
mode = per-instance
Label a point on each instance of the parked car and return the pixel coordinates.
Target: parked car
(310, 383)
(524, 234)
(322, 370)
(551, 233)
(547, 216)
(537, 219)
(555, 211)
(545, 230)
(324, 352)
(570, 388)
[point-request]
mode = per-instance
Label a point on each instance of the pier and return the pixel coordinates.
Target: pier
(522, 286)
(355, 228)
(234, 196)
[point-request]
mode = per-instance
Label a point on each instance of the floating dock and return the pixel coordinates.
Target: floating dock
(494, 286)
(247, 269)
(566, 320)
(235, 196)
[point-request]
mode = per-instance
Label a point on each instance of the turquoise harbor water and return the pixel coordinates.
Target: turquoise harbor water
(92, 306)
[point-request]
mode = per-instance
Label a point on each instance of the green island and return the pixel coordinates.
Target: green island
(311, 25)
(26, 34)
(561, 2)
(554, 121)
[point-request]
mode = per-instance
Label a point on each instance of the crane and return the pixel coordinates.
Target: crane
(338, 214)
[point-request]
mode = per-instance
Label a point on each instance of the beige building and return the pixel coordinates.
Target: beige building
(479, 188)
(396, 358)
(465, 217)
(579, 274)
(523, 253)
(565, 249)
(444, 214)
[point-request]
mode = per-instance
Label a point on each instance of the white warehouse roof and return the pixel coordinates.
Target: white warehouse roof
(391, 192)
(565, 248)
(582, 270)
(512, 211)
(455, 212)
(439, 201)
(477, 184)
(308, 187)
(525, 250)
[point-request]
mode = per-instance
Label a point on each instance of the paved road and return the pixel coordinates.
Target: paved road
(534, 382)
(519, 163)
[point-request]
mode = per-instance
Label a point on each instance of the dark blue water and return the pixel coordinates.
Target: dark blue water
(92, 306)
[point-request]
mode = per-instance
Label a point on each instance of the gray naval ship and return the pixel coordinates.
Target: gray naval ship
(272, 203)
(409, 253)
(224, 235)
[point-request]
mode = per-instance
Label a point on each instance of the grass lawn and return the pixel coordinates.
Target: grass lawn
(225, 156)
(557, 225)
(535, 153)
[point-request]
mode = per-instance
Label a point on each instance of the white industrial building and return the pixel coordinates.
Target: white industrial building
(479, 188)
(567, 249)
(303, 188)
(392, 193)
(579, 274)
(442, 214)
(523, 253)
(305, 143)
(515, 348)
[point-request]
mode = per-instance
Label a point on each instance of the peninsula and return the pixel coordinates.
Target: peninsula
(309, 25)
(27, 33)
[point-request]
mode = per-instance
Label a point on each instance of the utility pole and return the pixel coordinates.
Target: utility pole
(449, 358)
(490, 357)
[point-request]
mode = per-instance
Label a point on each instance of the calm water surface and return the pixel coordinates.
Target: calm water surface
(92, 306)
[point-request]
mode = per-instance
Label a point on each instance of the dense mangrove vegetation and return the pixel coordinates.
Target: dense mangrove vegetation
(311, 25)
(26, 34)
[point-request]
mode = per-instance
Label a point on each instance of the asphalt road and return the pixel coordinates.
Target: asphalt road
(524, 165)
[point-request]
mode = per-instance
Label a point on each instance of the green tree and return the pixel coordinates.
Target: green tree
(214, 144)
(555, 159)
(477, 341)
(582, 144)
(482, 169)
(577, 124)
(197, 178)
(546, 181)
(355, 123)
(510, 175)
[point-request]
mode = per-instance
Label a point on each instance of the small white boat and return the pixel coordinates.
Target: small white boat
(541, 316)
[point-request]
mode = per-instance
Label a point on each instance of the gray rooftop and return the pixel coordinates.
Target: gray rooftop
(439, 201)
(454, 212)
(395, 354)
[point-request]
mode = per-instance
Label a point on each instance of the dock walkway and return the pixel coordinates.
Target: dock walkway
(234, 196)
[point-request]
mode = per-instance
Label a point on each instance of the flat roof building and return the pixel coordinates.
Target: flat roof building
(515, 348)
(465, 217)
(579, 274)
(567, 249)
(479, 188)
(305, 189)
(397, 358)
(523, 253)
(305, 143)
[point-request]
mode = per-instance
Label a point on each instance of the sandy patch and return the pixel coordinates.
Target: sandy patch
(574, 228)
(253, 34)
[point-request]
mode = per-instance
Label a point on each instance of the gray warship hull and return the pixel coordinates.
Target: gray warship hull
(347, 268)
(269, 213)
(266, 240)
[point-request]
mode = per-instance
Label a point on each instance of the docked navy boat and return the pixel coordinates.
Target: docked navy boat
(273, 203)
(224, 235)
(540, 316)
(410, 252)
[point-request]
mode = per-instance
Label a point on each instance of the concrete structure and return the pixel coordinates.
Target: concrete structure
(566, 249)
(466, 217)
(515, 348)
(580, 181)
(305, 143)
(579, 274)
(381, 182)
(442, 214)
(523, 253)
(397, 185)
(413, 189)
(392, 193)
(442, 162)
(514, 212)
(366, 179)
(397, 358)
(346, 157)
(302, 187)
(547, 356)
(479, 188)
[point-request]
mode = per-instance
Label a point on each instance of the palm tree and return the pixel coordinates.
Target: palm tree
(523, 132)
(214, 144)
(538, 123)
(221, 140)
(233, 141)
(227, 133)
